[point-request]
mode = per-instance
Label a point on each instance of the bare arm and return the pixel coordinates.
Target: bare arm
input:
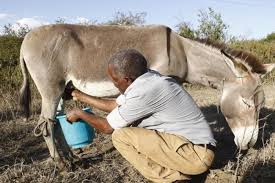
(101, 124)
(102, 104)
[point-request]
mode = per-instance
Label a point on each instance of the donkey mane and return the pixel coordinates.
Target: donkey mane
(248, 58)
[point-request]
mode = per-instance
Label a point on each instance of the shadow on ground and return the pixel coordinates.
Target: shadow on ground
(263, 172)
(18, 144)
(260, 173)
(226, 149)
(266, 126)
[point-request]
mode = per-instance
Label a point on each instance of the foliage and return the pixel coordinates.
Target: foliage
(211, 26)
(60, 20)
(21, 31)
(186, 30)
(129, 18)
(9, 50)
(9, 61)
(270, 37)
(264, 50)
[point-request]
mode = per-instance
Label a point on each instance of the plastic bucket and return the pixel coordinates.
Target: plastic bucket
(78, 134)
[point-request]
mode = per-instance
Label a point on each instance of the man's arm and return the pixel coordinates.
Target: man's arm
(101, 124)
(102, 104)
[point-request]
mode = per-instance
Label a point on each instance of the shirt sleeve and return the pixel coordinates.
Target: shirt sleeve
(120, 100)
(136, 107)
(131, 108)
(115, 120)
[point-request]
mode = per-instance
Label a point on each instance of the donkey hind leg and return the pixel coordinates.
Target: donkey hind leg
(48, 119)
(52, 135)
(59, 136)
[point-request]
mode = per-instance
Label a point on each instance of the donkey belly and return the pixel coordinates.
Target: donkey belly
(95, 88)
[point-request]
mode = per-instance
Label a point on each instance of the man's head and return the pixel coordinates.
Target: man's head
(125, 66)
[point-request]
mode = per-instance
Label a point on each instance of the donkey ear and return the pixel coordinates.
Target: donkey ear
(236, 67)
(268, 68)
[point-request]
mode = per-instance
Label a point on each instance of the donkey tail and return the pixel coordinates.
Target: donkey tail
(25, 92)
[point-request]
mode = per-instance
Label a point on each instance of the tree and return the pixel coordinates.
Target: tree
(7, 30)
(186, 30)
(9, 50)
(211, 26)
(270, 37)
(60, 20)
(20, 31)
(129, 18)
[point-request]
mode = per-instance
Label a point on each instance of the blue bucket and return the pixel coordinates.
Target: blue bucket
(78, 134)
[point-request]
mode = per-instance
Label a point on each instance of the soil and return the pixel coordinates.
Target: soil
(25, 158)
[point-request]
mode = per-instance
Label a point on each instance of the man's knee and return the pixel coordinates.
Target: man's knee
(119, 136)
(116, 134)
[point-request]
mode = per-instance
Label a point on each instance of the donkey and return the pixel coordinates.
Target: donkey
(57, 54)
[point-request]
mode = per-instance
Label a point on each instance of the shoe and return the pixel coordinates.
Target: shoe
(182, 181)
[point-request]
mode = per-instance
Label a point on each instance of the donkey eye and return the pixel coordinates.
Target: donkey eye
(247, 103)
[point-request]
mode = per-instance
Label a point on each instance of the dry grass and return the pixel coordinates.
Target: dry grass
(23, 157)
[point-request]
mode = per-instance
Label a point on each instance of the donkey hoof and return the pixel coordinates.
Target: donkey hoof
(49, 162)
(61, 165)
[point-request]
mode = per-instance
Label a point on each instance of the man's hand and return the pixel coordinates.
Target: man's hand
(71, 92)
(74, 115)
(99, 123)
(76, 94)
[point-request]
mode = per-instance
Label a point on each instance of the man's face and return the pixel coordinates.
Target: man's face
(122, 83)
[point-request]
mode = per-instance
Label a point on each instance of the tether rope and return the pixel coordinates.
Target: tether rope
(42, 127)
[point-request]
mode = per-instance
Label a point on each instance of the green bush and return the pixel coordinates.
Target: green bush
(10, 74)
(210, 26)
(264, 50)
(9, 51)
(270, 37)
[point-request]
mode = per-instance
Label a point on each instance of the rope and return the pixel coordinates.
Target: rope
(42, 127)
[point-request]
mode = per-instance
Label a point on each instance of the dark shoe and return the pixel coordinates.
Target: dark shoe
(182, 181)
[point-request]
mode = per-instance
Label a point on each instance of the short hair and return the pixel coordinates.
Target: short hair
(128, 63)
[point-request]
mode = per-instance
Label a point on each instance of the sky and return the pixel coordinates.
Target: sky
(250, 19)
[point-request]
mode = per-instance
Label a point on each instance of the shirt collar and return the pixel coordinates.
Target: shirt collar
(140, 78)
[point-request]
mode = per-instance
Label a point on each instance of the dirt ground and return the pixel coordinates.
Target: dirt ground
(24, 157)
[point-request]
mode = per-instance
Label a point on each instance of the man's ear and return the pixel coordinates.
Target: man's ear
(129, 79)
(268, 68)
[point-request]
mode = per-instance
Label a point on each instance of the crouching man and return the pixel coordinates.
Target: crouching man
(155, 124)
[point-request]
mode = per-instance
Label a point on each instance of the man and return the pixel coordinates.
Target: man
(171, 140)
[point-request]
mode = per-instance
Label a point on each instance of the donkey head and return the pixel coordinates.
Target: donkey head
(243, 97)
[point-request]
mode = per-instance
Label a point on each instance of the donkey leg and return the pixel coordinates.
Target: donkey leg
(48, 114)
(60, 138)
